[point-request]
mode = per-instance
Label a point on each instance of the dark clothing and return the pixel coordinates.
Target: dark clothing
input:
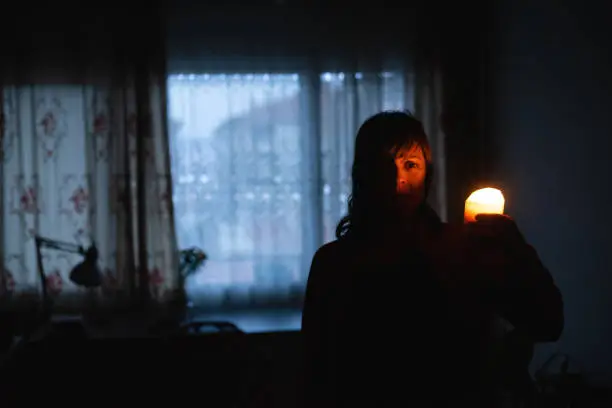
(395, 321)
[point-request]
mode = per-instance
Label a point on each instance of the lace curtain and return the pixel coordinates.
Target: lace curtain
(261, 171)
(70, 173)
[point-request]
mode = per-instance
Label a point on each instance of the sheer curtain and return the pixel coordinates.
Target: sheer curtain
(85, 159)
(261, 170)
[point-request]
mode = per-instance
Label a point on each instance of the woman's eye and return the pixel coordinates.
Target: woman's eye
(410, 165)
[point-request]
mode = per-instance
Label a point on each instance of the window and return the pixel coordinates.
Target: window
(261, 170)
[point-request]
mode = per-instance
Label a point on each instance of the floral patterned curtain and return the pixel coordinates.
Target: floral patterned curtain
(69, 170)
(87, 161)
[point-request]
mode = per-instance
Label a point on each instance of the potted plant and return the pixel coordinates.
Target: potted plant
(190, 261)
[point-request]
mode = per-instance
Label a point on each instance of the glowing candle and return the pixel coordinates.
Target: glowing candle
(483, 201)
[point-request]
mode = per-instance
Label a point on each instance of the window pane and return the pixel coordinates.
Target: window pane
(238, 182)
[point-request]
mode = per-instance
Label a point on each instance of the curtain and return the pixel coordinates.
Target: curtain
(85, 159)
(261, 170)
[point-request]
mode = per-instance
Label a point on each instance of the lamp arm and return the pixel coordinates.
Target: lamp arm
(57, 245)
(60, 246)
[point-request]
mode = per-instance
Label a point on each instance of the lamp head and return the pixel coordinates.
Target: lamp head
(87, 273)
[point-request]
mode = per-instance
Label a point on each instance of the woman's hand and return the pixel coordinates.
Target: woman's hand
(497, 230)
(496, 248)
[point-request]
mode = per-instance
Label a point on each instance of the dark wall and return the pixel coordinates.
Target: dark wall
(550, 128)
(288, 35)
(463, 32)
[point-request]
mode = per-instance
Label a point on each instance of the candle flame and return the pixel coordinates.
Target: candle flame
(484, 201)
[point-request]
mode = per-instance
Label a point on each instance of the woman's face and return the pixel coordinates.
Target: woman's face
(411, 172)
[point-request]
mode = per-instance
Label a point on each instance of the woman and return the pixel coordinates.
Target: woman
(400, 307)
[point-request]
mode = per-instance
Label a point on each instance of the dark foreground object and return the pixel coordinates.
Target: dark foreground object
(224, 369)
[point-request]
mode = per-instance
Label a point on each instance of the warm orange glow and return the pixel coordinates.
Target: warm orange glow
(484, 201)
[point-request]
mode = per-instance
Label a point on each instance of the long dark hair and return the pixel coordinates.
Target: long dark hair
(374, 172)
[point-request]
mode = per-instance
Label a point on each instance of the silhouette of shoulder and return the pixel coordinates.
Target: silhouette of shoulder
(330, 252)
(327, 257)
(329, 265)
(336, 255)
